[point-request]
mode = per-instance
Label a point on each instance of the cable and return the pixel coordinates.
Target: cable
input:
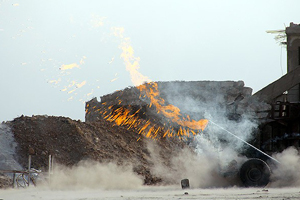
(244, 141)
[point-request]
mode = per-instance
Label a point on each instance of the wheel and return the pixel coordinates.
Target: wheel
(255, 173)
(185, 183)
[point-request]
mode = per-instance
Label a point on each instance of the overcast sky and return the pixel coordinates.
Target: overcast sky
(55, 55)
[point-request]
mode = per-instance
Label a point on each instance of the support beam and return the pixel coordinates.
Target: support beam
(278, 87)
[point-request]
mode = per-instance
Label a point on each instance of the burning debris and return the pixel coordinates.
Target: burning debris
(173, 109)
(177, 107)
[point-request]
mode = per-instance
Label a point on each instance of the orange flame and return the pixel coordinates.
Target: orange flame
(70, 66)
(79, 85)
(123, 116)
(170, 111)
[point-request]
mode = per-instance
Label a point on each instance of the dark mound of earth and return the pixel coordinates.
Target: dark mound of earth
(71, 141)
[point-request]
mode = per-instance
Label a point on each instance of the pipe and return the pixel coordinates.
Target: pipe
(29, 166)
(49, 168)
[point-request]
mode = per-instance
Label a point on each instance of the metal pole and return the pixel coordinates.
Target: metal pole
(14, 179)
(49, 168)
(29, 166)
(244, 141)
(52, 164)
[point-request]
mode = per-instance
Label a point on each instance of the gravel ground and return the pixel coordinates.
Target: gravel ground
(151, 192)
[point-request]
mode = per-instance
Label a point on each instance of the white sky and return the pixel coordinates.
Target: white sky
(175, 40)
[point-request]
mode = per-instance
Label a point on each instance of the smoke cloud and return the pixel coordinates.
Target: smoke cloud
(286, 173)
(94, 175)
(203, 169)
(215, 101)
(7, 149)
(215, 150)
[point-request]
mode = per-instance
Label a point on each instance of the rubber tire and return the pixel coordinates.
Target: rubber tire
(255, 173)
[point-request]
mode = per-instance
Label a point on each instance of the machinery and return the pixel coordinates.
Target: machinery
(278, 131)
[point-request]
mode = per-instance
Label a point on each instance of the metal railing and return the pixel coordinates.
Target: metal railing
(24, 178)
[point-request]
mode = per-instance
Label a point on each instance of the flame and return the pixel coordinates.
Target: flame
(73, 85)
(114, 79)
(118, 31)
(79, 85)
(170, 111)
(97, 21)
(124, 117)
(88, 94)
(70, 66)
(71, 91)
(81, 61)
(112, 60)
(132, 63)
(55, 81)
(71, 98)
(149, 89)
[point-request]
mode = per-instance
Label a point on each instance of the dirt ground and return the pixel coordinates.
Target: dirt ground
(151, 192)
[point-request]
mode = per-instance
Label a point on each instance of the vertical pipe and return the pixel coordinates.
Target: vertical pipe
(29, 166)
(49, 168)
(52, 164)
(14, 179)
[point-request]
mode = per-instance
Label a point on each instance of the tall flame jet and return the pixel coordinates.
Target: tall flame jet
(122, 116)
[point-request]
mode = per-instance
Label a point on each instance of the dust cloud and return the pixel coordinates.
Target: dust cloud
(8, 149)
(287, 172)
(93, 175)
(216, 152)
(204, 167)
(202, 170)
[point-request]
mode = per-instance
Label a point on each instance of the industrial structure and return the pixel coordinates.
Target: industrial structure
(282, 128)
(287, 87)
(276, 107)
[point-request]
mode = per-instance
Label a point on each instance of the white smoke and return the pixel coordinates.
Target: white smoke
(287, 172)
(223, 155)
(214, 101)
(204, 168)
(7, 149)
(214, 149)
